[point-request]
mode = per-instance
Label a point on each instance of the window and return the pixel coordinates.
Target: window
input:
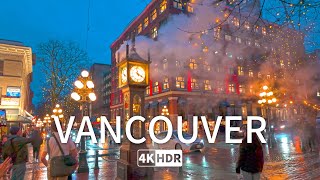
(156, 87)
(236, 22)
(180, 82)
(229, 54)
(194, 84)
(153, 15)
(248, 42)
(193, 64)
(257, 44)
(240, 71)
(177, 4)
(163, 6)
(148, 90)
(139, 28)
(165, 63)
(250, 73)
(231, 88)
(268, 76)
(190, 8)
(256, 28)
(227, 37)
(207, 85)
(264, 31)
(1, 67)
(241, 89)
(247, 25)
(217, 32)
(154, 32)
(206, 66)
(238, 40)
(178, 63)
(146, 22)
(165, 83)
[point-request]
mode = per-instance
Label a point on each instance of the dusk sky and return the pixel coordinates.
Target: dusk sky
(35, 21)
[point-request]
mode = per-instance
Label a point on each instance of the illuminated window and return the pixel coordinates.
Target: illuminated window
(206, 66)
(318, 93)
(231, 88)
(247, 25)
(240, 71)
(154, 32)
(238, 40)
(256, 28)
(177, 4)
(250, 73)
(156, 87)
(264, 31)
(227, 37)
(194, 84)
(241, 89)
(193, 64)
(180, 82)
(236, 21)
(248, 42)
(163, 6)
(165, 83)
(178, 63)
(257, 44)
(190, 8)
(268, 76)
(146, 22)
(139, 28)
(217, 32)
(259, 75)
(207, 85)
(148, 90)
(165, 63)
(153, 15)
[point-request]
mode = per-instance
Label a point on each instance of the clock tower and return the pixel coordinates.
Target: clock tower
(133, 80)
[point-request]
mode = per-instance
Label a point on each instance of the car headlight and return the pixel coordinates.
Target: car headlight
(272, 126)
(282, 127)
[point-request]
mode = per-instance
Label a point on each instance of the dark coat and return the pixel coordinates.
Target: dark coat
(37, 139)
(251, 156)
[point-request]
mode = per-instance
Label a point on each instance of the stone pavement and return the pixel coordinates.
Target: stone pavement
(284, 160)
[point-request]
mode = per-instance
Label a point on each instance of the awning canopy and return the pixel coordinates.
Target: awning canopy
(164, 102)
(154, 104)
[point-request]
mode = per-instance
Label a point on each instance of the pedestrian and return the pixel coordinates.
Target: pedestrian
(52, 148)
(3, 140)
(16, 148)
(36, 135)
(251, 160)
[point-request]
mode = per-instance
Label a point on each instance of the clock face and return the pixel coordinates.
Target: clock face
(137, 73)
(124, 75)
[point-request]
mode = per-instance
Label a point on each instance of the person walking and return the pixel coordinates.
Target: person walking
(4, 139)
(52, 148)
(251, 160)
(16, 148)
(36, 144)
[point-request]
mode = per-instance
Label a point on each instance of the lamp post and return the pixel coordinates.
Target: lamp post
(267, 99)
(58, 112)
(47, 120)
(83, 93)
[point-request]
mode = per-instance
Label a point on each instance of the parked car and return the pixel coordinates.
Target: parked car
(175, 143)
(280, 126)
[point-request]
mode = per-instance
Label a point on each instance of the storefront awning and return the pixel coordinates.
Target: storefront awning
(164, 102)
(154, 104)
(182, 101)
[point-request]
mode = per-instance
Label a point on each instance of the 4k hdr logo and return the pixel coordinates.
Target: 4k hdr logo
(159, 158)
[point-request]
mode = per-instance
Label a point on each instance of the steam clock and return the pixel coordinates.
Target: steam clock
(133, 80)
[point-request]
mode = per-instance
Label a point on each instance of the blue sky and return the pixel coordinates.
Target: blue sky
(34, 21)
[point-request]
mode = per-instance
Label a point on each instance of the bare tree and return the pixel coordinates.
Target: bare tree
(60, 63)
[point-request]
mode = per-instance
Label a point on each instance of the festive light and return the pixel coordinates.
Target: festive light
(85, 74)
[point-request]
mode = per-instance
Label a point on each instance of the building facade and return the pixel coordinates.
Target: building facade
(221, 81)
(99, 72)
(16, 61)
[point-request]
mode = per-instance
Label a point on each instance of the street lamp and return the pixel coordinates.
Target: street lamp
(267, 98)
(83, 93)
(58, 112)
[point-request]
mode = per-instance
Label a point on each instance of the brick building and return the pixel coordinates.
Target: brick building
(16, 61)
(197, 90)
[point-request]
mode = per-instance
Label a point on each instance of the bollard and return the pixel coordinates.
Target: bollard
(96, 166)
